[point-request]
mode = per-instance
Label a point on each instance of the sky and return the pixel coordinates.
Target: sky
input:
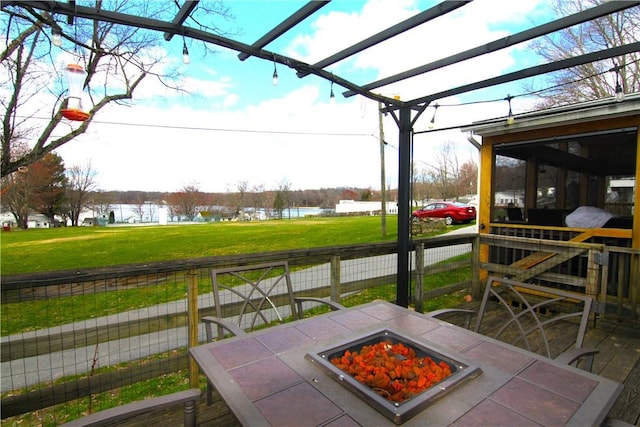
(235, 126)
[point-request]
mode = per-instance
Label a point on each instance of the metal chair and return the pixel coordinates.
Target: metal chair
(252, 296)
(541, 319)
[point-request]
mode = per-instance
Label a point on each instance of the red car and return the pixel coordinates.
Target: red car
(452, 212)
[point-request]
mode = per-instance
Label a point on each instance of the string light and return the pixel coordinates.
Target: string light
(275, 74)
(332, 96)
(56, 35)
(185, 52)
(619, 92)
(432, 123)
(510, 118)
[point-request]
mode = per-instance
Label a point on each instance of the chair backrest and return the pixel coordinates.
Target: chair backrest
(254, 295)
(514, 214)
(541, 319)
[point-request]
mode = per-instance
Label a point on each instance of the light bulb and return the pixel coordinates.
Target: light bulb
(432, 123)
(56, 37)
(185, 55)
(332, 97)
(619, 93)
(275, 76)
(510, 119)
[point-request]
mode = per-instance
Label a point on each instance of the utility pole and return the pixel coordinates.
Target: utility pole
(383, 184)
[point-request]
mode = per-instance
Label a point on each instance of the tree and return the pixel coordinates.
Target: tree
(39, 188)
(80, 183)
(241, 190)
(443, 174)
(468, 178)
(283, 197)
(49, 182)
(597, 79)
(117, 58)
(100, 201)
(187, 201)
(422, 184)
(138, 209)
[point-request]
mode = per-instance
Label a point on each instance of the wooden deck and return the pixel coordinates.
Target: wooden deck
(619, 359)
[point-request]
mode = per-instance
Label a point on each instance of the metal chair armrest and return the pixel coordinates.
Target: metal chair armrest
(225, 324)
(467, 318)
(613, 422)
(572, 357)
(334, 306)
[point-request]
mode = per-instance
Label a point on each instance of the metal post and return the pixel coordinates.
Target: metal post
(404, 194)
(383, 183)
(419, 293)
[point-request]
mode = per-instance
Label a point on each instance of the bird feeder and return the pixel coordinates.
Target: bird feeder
(75, 78)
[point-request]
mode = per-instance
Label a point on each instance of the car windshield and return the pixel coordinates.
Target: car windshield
(460, 205)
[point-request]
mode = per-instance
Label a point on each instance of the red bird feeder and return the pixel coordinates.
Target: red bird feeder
(75, 78)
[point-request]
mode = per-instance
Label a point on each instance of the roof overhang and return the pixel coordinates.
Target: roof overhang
(560, 116)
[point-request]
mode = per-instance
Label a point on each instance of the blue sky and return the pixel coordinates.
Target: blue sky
(235, 126)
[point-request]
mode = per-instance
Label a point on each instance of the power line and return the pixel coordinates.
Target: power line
(208, 129)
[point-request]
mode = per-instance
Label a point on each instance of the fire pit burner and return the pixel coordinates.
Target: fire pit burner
(396, 411)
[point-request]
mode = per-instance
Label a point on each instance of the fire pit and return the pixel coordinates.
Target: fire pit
(394, 374)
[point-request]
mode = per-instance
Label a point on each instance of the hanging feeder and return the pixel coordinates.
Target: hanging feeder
(75, 78)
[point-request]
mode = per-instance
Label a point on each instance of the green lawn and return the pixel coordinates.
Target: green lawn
(85, 247)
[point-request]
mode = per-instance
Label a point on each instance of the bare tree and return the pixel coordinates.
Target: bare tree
(258, 198)
(151, 208)
(241, 190)
(116, 58)
(80, 183)
(422, 185)
(468, 178)
(443, 173)
(188, 201)
(138, 208)
(597, 79)
(101, 202)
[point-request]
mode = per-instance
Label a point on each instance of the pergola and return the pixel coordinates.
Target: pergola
(404, 112)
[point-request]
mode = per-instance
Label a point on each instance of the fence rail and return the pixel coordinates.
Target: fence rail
(597, 262)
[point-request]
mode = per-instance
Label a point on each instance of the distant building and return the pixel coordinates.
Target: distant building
(370, 208)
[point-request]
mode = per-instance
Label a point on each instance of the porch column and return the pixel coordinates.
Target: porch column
(404, 204)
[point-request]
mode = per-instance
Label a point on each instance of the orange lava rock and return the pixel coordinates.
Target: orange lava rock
(392, 370)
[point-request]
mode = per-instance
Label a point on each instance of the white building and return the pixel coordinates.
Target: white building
(371, 208)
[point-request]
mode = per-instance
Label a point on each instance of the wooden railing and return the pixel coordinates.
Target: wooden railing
(598, 262)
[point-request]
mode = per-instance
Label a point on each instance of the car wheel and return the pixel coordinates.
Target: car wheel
(448, 220)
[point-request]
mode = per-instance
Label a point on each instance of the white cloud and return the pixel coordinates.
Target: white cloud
(216, 136)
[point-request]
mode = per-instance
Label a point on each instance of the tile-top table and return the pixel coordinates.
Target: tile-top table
(266, 380)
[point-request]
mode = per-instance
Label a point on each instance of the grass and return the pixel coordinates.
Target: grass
(53, 249)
